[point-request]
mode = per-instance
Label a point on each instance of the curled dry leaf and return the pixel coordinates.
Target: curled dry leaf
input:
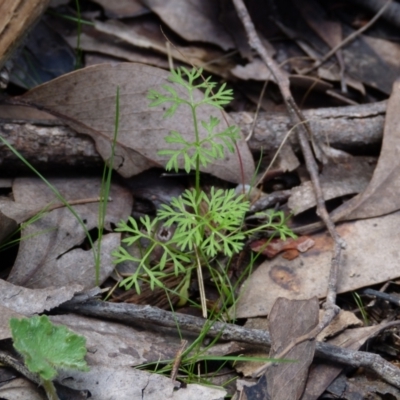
(86, 100)
(28, 302)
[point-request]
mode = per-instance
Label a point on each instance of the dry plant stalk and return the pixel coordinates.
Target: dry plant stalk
(304, 135)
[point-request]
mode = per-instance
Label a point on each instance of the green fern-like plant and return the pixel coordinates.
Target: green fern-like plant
(206, 224)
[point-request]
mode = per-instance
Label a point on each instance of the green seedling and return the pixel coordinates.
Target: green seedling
(361, 307)
(47, 348)
(206, 224)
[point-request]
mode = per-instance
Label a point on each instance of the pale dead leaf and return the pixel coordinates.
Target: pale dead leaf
(256, 69)
(330, 31)
(126, 383)
(87, 98)
(382, 195)
(47, 253)
(5, 315)
(389, 51)
(39, 265)
(341, 322)
(364, 64)
(371, 257)
(350, 176)
(19, 389)
(115, 345)
(34, 301)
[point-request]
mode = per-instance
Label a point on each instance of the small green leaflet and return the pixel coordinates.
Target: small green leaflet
(46, 347)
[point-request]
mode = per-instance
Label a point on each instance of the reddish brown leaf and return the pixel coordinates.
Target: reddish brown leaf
(271, 248)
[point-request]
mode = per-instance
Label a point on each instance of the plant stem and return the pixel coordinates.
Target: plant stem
(201, 284)
(50, 390)
(196, 131)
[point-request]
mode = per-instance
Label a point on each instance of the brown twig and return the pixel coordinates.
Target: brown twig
(298, 120)
(12, 362)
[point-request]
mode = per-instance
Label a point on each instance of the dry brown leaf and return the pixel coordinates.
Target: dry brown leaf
(122, 8)
(371, 257)
(194, 20)
(289, 320)
(363, 63)
(255, 69)
(271, 248)
(106, 48)
(330, 31)
(323, 373)
(382, 195)
(388, 50)
(87, 98)
(146, 34)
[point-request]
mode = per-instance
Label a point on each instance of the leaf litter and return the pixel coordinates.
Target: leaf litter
(299, 278)
(48, 253)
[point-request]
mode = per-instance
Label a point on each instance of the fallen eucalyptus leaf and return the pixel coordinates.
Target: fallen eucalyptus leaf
(86, 100)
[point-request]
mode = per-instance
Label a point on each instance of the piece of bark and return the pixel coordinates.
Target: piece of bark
(345, 128)
(16, 19)
(48, 144)
(47, 148)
